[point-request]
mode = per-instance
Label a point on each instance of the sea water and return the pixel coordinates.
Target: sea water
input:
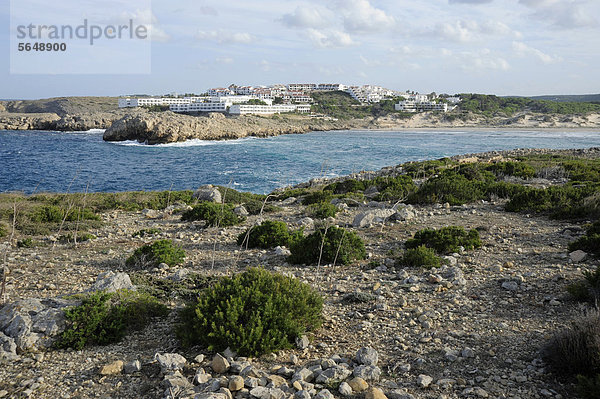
(59, 161)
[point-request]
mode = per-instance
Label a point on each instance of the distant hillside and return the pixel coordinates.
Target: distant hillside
(62, 105)
(491, 105)
(584, 98)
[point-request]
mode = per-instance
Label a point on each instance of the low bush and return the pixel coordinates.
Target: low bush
(331, 245)
(26, 243)
(449, 187)
(146, 232)
(167, 289)
(253, 313)
(393, 188)
(221, 215)
(3, 230)
(57, 214)
(421, 256)
(517, 169)
(103, 318)
(151, 255)
(322, 210)
(268, 234)
(588, 387)
(317, 197)
(70, 238)
(590, 242)
(576, 350)
(588, 289)
(445, 240)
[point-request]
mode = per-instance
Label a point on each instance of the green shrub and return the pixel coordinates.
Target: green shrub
(393, 188)
(146, 232)
(165, 289)
(449, 187)
(221, 215)
(253, 313)
(26, 243)
(576, 350)
(446, 240)
(151, 255)
(56, 214)
(421, 256)
(317, 197)
(517, 169)
(346, 186)
(268, 234)
(590, 242)
(334, 244)
(588, 387)
(322, 210)
(103, 318)
(3, 230)
(587, 289)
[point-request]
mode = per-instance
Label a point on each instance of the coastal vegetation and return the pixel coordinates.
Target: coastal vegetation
(328, 245)
(104, 318)
(213, 214)
(253, 313)
(445, 240)
(490, 105)
(152, 255)
(268, 234)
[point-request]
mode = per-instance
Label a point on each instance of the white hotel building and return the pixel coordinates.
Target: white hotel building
(150, 101)
(242, 109)
(420, 106)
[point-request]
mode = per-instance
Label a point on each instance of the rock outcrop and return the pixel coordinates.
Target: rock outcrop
(168, 127)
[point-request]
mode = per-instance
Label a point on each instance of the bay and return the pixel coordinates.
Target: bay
(59, 162)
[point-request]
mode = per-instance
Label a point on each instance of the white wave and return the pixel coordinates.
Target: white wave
(187, 143)
(95, 131)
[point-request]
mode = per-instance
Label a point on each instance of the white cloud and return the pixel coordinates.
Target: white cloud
(361, 16)
(330, 38)
(522, 50)
(225, 37)
(464, 31)
(146, 17)
(567, 14)
(481, 61)
(224, 60)
(470, 1)
(307, 17)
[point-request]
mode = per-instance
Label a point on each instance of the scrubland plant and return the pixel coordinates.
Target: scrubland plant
(445, 240)
(103, 318)
(151, 255)
(322, 210)
(590, 242)
(268, 234)
(575, 352)
(420, 256)
(213, 214)
(328, 245)
(253, 313)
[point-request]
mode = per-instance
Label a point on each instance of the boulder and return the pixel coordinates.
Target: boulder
(170, 361)
(578, 256)
(367, 218)
(367, 356)
(112, 368)
(112, 282)
(34, 323)
(208, 193)
(8, 348)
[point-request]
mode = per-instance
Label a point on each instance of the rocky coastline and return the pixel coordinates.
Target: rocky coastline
(166, 127)
(471, 329)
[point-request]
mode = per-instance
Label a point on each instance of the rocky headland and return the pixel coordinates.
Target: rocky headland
(473, 328)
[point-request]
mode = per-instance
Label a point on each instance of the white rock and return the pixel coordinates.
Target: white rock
(367, 218)
(208, 193)
(112, 282)
(424, 380)
(170, 361)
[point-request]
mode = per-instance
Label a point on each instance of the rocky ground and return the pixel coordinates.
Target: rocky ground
(472, 329)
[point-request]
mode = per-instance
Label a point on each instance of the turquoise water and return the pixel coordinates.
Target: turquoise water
(58, 161)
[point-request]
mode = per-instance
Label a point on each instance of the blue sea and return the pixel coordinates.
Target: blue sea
(37, 161)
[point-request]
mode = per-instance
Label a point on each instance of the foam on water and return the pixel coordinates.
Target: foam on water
(187, 143)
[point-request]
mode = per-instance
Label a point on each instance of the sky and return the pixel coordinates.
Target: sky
(502, 47)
